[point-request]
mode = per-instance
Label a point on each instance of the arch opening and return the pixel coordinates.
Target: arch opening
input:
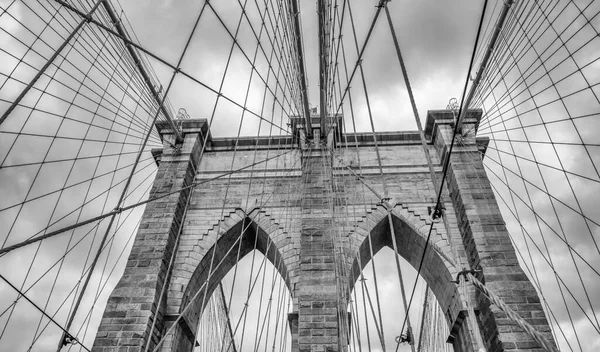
(436, 272)
(248, 311)
(377, 312)
(236, 248)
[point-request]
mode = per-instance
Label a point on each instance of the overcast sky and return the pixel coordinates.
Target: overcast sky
(436, 37)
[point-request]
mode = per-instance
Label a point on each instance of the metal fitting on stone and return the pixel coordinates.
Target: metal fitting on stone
(436, 212)
(69, 340)
(465, 273)
(405, 337)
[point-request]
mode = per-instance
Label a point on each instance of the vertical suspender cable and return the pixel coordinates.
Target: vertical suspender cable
(474, 329)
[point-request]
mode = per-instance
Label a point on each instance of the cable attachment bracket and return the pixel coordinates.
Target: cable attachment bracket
(464, 272)
(436, 212)
(405, 338)
(382, 3)
(68, 339)
(388, 202)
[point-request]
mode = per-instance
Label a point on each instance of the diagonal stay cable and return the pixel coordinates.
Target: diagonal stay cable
(446, 163)
(120, 210)
(166, 63)
(380, 5)
(44, 313)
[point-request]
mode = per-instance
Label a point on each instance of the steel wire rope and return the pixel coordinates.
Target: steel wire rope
(203, 287)
(89, 268)
(143, 57)
(557, 154)
(280, 304)
(29, 47)
(331, 75)
(70, 138)
(288, 224)
(514, 38)
(41, 310)
(59, 137)
(67, 326)
(362, 279)
(141, 84)
(235, 42)
(210, 121)
(48, 62)
(433, 178)
(258, 337)
(137, 160)
(227, 188)
(57, 262)
(139, 67)
(41, 163)
(297, 51)
(447, 162)
(272, 41)
(340, 251)
(549, 102)
(571, 188)
(35, 238)
(540, 251)
(37, 250)
(359, 59)
(536, 282)
(509, 23)
(287, 218)
(518, 40)
(164, 62)
(64, 301)
(48, 235)
(90, 41)
(344, 137)
(58, 98)
(114, 266)
(282, 37)
(485, 34)
(251, 283)
(351, 106)
(544, 221)
(535, 273)
(203, 147)
(264, 182)
(96, 258)
(377, 152)
(508, 129)
(432, 174)
(34, 179)
(173, 256)
(538, 337)
(332, 200)
(60, 55)
(251, 288)
(255, 153)
(340, 44)
(530, 202)
(555, 66)
(267, 318)
(277, 309)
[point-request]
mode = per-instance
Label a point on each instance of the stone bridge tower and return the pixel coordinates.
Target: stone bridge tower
(194, 230)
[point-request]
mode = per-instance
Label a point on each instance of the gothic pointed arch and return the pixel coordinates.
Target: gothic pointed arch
(201, 268)
(411, 227)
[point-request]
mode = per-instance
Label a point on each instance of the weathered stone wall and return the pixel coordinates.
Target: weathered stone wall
(303, 208)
